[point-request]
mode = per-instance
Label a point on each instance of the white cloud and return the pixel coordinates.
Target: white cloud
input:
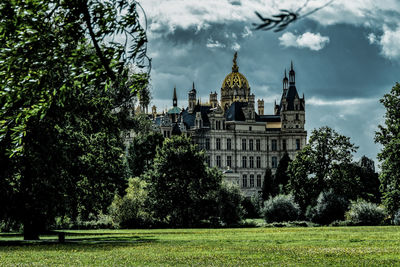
(177, 13)
(214, 44)
(309, 40)
(246, 32)
(345, 102)
(371, 38)
(235, 46)
(390, 42)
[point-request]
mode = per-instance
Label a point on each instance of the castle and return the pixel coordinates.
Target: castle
(236, 138)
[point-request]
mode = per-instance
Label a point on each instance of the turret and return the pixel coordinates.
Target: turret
(292, 79)
(154, 111)
(285, 85)
(213, 99)
(260, 105)
(192, 99)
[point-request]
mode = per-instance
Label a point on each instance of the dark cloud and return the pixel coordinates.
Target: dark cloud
(347, 68)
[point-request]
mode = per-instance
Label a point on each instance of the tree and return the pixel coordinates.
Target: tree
(142, 150)
(268, 187)
(281, 176)
(314, 166)
(388, 136)
(182, 189)
(130, 211)
(65, 91)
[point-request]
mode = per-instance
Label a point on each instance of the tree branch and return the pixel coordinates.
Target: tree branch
(99, 53)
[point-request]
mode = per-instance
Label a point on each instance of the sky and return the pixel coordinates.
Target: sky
(346, 56)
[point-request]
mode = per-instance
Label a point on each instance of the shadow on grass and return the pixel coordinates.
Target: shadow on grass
(80, 239)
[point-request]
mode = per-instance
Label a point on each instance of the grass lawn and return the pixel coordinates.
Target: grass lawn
(365, 246)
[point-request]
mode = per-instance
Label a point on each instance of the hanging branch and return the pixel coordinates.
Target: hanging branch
(280, 21)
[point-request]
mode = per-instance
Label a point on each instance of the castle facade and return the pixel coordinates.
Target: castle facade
(236, 135)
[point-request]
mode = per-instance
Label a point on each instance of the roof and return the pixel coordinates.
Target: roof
(235, 112)
(268, 118)
(174, 110)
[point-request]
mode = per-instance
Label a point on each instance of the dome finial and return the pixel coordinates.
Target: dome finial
(235, 67)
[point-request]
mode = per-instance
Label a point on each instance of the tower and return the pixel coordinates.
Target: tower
(285, 84)
(192, 99)
(292, 108)
(213, 99)
(260, 105)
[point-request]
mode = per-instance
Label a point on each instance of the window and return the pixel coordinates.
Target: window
(229, 161)
(250, 128)
(208, 161)
(251, 180)
(297, 108)
(218, 125)
(244, 180)
(297, 144)
(244, 162)
(219, 161)
(251, 161)
(297, 117)
(258, 180)
(258, 145)
(284, 144)
(274, 162)
(297, 126)
(258, 162)
(243, 144)
(207, 143)
(274, 146)
(228, 144)
(218, 144)
(251, 145)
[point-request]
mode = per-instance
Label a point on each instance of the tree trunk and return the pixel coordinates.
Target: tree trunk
(31, 230)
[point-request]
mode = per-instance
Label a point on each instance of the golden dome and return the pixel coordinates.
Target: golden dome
(235, 78)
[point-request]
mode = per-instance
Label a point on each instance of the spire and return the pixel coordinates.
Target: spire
(175, 99)
(291, 74)
(193, 86)
(285, 84)
(235, 67)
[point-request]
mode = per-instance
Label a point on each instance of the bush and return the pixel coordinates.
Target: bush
(130, 211)
(396, 219)
(330, 207)
(252, 206)
(365, 213)
(230, 210)
(281, 208)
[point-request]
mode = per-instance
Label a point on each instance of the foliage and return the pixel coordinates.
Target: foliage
(396, 219)
(281, 176)
(182, 188)
(268, 187)
(330, 207)
(142, 150)
(389, 137)
(354, 181)
(365, 213)
(250, 208)
(130, 210)
(314, 166)
(281, 208)
(65, 90)
(230, 210)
